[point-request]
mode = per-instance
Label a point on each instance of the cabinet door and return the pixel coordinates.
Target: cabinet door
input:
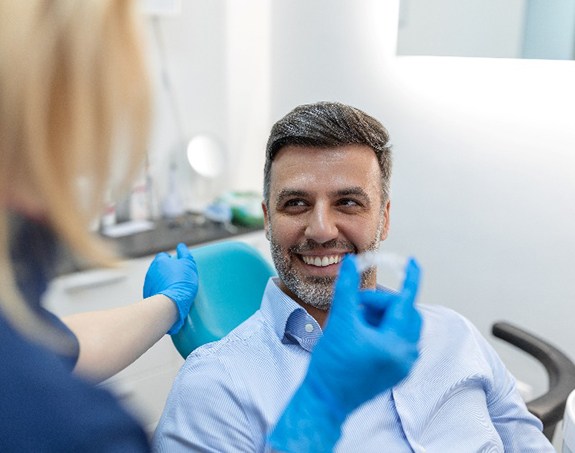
(97, 289)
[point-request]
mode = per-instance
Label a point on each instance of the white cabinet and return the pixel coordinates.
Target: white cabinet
(144, 385)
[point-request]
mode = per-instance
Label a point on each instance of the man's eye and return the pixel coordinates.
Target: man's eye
(294, 203)
(347, 202)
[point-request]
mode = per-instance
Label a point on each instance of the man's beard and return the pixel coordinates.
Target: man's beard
(313, 290)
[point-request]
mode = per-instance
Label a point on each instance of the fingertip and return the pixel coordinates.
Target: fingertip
(413, 265)
(162, 255)
(182, 250)
(412, 275)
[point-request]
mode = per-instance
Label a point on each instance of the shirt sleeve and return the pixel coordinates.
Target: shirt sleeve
(71, 352)
(520, 431)
(204, 412)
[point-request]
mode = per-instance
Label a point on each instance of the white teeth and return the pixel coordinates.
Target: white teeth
(322, 261)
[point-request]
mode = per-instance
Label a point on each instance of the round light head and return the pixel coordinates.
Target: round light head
(205, 155)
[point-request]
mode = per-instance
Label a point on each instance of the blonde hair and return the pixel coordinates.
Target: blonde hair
(74, 113)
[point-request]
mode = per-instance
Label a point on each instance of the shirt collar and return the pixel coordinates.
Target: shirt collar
(290, 321)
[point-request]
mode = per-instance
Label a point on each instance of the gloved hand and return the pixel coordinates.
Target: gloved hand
(176, 278)
(369, 345)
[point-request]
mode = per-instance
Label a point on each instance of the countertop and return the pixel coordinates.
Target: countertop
(191, 229)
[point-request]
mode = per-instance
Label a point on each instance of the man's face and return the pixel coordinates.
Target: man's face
(323, 204)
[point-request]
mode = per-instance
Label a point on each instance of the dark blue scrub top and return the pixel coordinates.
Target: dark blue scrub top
(43, 406)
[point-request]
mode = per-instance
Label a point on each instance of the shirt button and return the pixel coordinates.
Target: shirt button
(309, 328)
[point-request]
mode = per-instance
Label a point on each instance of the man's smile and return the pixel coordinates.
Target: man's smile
(322, 261)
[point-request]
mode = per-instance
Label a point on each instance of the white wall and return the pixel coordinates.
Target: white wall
(483, 185)
(217, 63)
(195, 64)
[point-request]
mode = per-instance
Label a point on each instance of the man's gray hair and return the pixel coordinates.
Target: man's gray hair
(326, 125)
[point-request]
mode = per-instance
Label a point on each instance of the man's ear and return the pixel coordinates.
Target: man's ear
(385, 229)
(266, 220)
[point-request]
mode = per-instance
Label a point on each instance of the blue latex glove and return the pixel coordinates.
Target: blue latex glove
(369, 345)
(175, 277)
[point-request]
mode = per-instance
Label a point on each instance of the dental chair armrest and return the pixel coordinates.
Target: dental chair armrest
(549, 407)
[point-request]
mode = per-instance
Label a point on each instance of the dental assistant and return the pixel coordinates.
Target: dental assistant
(72, 82)
(74, 109)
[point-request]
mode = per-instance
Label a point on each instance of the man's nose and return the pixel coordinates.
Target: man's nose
(321, 225)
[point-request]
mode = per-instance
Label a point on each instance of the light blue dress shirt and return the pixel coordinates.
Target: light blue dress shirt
(459, 397)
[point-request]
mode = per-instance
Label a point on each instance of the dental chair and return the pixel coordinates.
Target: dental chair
(550, 406)
(233, 276)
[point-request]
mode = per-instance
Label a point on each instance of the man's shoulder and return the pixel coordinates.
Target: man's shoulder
(245, 335)
(248, 342)
(440, 312)
(438, 318)
(246, 361)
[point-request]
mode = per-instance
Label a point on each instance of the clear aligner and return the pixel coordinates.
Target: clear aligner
(375, 258)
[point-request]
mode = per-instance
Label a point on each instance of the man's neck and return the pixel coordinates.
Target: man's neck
(319, 315)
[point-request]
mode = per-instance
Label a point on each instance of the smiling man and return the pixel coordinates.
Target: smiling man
(326, 194)
(314, 218)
